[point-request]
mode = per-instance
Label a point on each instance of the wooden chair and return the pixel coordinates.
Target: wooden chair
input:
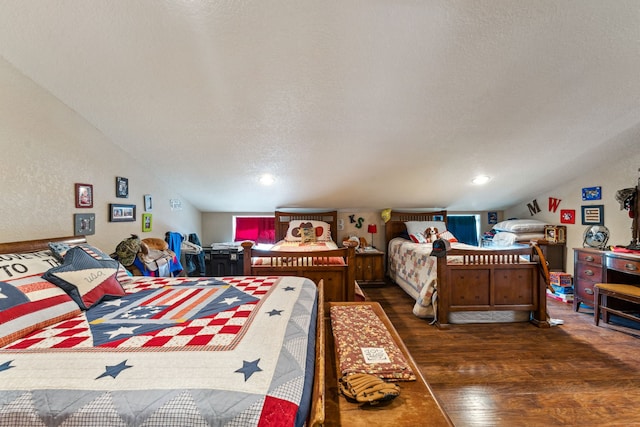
(623, 292)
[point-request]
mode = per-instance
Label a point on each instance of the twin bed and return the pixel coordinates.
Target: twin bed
(154, 351)
(469, 284)
(317, 259)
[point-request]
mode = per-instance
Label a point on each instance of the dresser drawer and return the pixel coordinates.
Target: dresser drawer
(624, 265)
(590, 257)
(588, 273)
(584, 290)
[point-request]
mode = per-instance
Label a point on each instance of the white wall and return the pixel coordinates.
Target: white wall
(46, 149)
(612, 176)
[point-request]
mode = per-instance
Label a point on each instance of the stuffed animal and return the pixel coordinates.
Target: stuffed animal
(431, 234)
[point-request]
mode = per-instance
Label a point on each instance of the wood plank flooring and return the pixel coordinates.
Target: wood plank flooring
(575, 374)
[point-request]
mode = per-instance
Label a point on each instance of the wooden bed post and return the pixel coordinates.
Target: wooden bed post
(442, 314)
(350, 274)
(246, 258)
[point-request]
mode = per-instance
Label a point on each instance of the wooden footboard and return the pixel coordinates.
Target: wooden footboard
(496, 280)
(338, 277)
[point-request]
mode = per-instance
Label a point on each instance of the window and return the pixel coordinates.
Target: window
(259, 229)
(464, 227)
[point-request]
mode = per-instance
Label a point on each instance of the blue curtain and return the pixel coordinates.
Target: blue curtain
(464, 228)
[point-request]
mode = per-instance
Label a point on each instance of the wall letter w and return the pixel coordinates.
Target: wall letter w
(553, 204)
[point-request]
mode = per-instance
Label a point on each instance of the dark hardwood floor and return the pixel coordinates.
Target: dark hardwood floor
(575, 374)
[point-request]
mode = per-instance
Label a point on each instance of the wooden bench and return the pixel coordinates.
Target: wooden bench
(416, 405)
(630, 293)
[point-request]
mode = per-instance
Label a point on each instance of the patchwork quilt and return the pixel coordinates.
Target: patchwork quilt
(235, 351)
(413, 268)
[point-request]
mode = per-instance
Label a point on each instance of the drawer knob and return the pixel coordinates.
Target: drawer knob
(588, 291)
(631, 267)
(588, 273)
(588, 258)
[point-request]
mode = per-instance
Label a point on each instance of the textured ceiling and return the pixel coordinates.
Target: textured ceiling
(350, 104)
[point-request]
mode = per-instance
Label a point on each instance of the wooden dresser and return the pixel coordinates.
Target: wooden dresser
(593, 266)
(587, 271)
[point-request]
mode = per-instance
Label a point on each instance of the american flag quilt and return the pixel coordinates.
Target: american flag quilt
(236, 351)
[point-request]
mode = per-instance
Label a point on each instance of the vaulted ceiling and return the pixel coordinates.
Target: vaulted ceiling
(348, 104)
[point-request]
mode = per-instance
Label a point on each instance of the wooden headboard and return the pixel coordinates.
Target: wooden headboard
(38, 245)
(283, 219)
(396, 227)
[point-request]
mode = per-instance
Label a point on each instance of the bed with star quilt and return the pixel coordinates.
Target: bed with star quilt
(152, 351)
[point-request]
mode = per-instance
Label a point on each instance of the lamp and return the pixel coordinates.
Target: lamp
(373, 229)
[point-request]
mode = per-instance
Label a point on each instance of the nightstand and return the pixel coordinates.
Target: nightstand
(370, 267)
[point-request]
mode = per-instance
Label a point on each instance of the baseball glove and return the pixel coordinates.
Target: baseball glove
(365, 388)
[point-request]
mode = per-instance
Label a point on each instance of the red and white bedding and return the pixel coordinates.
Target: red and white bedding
(296, 246)
(172, 351)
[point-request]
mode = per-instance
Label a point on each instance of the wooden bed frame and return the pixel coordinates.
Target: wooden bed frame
(485, 280)
(339, 280)
(316, 415)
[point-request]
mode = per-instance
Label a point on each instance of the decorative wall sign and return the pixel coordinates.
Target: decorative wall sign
(567, 216)
(592, 193)
(122, 187)
(84, 224)
(146, 222)
(593, 215)
(84, 196)
(121, 213)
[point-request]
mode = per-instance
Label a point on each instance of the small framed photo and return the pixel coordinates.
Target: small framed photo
(592, 193)
(84, 224)
(593, 215)
(122, 187)
(84, 196)
(121, 213)
(146, 222)
(438, 218)
(492, 217)
(148, 203)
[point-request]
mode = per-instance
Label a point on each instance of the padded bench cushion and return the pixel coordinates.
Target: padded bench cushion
(630, 290)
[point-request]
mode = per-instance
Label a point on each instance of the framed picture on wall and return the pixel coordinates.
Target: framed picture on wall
(146, 222)
(593, 215)
(84, 196)
(492, 217)
(122, 187)
(84, 224)
(121, 213)
(148, 203)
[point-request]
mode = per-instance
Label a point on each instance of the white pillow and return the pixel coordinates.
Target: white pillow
(418, 238)
(520, 225)
(415, 227)
(323, 230)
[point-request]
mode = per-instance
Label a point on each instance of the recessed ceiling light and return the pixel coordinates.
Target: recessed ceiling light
(267, 179)
(481, 179)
